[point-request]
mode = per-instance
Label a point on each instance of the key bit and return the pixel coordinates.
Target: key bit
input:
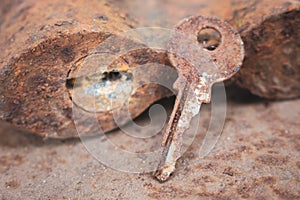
(216, 63)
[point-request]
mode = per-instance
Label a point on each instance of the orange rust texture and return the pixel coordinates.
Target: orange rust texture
(271, 33)
(41, 48)
(270, 30)
(42, 40)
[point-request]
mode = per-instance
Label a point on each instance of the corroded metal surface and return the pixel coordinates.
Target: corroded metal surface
(196, 79)
(271, 32)
(40, 48)
(102, 106)
(39, 56)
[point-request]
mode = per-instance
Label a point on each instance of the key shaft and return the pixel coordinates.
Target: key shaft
(187, 105)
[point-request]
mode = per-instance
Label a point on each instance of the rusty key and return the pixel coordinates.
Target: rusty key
(204, 51)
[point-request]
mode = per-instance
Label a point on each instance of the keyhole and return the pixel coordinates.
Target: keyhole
(209, 38)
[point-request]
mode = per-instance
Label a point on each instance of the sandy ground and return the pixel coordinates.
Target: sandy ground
(256, 157)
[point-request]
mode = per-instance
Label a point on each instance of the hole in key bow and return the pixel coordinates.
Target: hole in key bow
(209, 38)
